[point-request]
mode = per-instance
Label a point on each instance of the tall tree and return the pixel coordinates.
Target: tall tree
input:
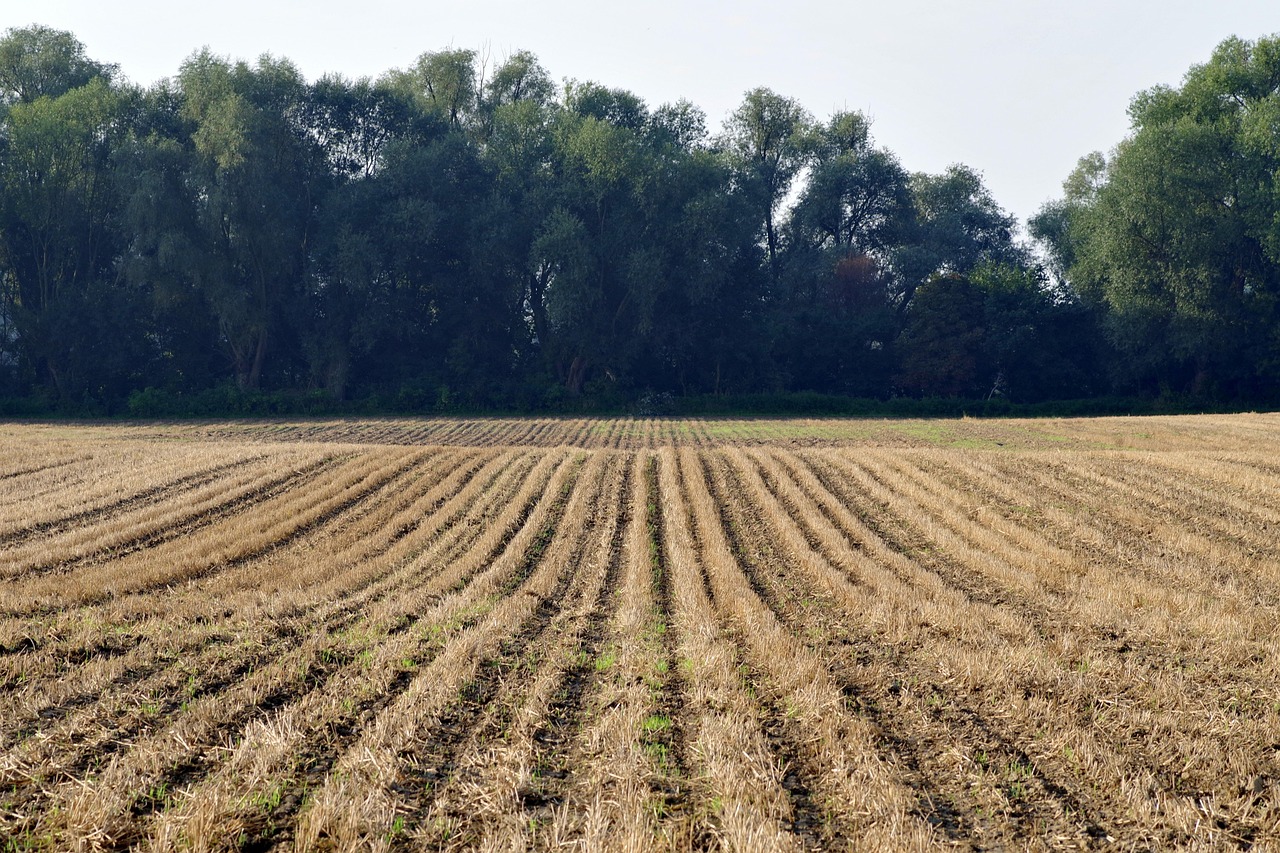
(41, 62)
(835, 325)
(444, 83)
(354, 121)
(254, 177)
(857, 198)
(959, 225)
(519, 78)
(599, 162)
(941, 348)
(58, 234)
(1175, 234)
(770, 135)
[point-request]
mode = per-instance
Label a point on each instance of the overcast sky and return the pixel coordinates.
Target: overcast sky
(1017, 89)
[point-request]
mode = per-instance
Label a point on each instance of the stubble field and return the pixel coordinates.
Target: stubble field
(641, 634)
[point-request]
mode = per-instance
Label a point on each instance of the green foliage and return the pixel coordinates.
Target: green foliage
(442, 83)
(941, 346)
(238, 240)
(1174, 235)
(770, 138)
(958, 226)
(655, 724)
(40, 62)
(58, 205)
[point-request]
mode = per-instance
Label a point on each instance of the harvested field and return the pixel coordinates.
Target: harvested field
(641, 634)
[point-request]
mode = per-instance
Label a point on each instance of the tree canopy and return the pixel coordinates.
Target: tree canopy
(455, 233)
(1173, 236)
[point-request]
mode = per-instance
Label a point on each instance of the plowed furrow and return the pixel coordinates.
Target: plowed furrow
(1059, 718)
(994, 551)
(723, 749)
(161, 605)
(1213, 486)
(436, 533)
(563, 718)
(292, 752)
(331, 617)
(520, 598)
(1095, 542)
(1227, 535)
(872, 525)
(742, 526)
(735, 760)
(113, 544)
(130, 742)
(345, 696)
(1167, 513)
(152, 495)
(628, 788)
(316, 516)
(352, 535)
(670, 787)
(162, 761)
(42, 498)
(290, 516)
(486, 748)
(788, 597)
(328, 616)
(1237, 473)
(952, 802)
(1132, 553)
(40, 468)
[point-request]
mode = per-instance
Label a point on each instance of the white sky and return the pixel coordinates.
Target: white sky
(1017, 89)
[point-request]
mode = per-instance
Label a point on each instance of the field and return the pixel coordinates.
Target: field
(637, 635)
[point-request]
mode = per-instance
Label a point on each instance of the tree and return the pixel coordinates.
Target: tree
(616, 107)
(681, 125)
(160, 253)
(354, 121)
(40, 62)
(694, 273)
(941, 346)
(599, 162)
(857, 199)
(1175, 234)
(1057, 227)
(442, 234)
(836, 334)
(60, 117)
(519, 78)
(1038, 343)
(958, 225)
(443, 83)
(254, 177)
(770, 137)
(835, 325)
(57, 227)
(518, 84)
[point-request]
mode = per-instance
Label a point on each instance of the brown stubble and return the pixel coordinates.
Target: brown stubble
(787, 635)
(1099, 703)
(378, 778)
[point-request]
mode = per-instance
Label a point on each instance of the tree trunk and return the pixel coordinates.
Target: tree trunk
(259, 355)
(541, 328)
(1200, 385)
(339, 371)
(55, 376)
(577, 375)
(771, 236)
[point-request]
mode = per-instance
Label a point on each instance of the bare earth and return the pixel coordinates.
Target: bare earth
(641, 634)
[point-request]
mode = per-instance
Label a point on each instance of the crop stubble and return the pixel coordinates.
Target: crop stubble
(640, 634)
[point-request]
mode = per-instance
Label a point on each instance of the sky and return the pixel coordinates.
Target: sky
(1017, 89)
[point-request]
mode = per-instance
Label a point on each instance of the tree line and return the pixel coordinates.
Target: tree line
(469, 233)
